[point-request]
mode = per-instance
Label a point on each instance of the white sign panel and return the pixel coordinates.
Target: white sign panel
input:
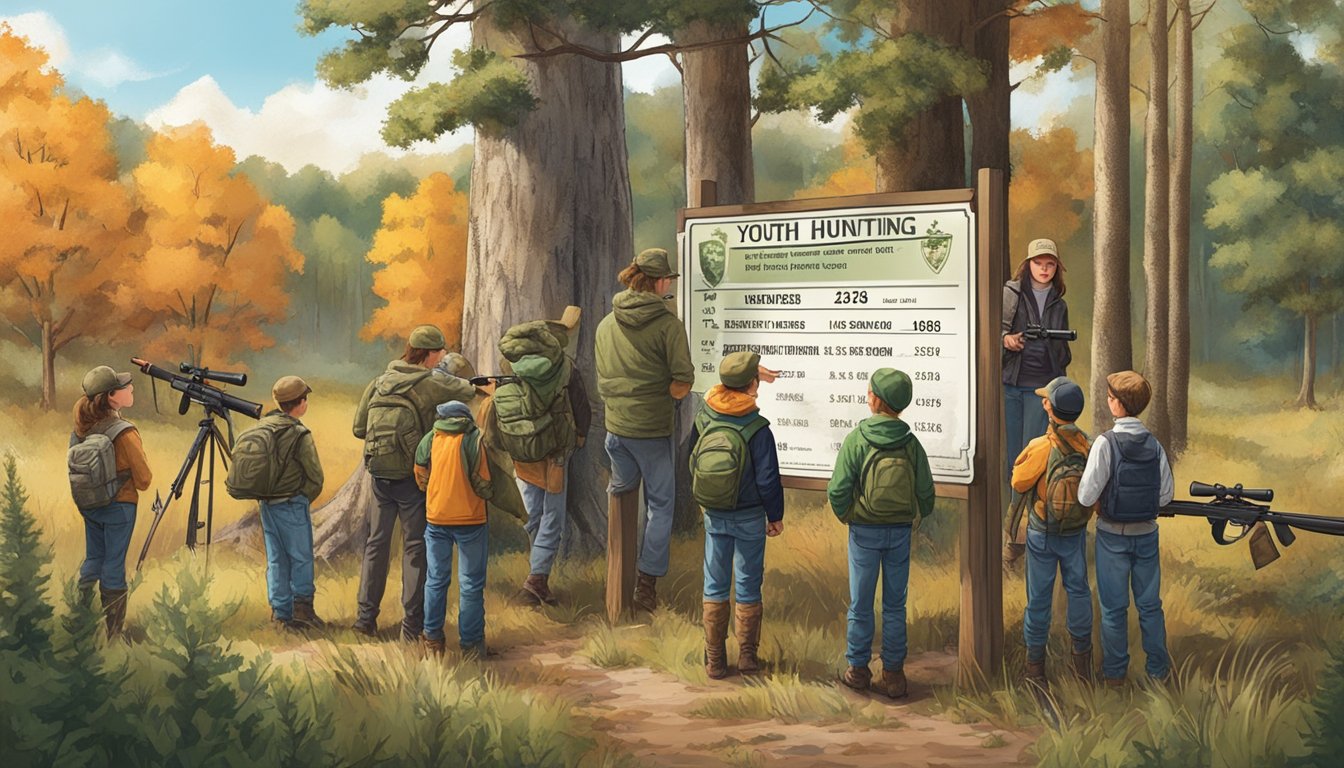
(828, 297)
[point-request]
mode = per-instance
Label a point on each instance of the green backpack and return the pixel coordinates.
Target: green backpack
(255, 473)
(395, 426)
(1063, 473)
(720, 459)
(530, 429)
(885, 492)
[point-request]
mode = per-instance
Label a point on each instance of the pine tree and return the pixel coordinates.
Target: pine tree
(1326, 740)
(25, 565)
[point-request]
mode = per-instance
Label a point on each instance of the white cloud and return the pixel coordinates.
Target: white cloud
(311, 123)
(1043, 99)
(110, 68)
(649, 73)
(44, 31)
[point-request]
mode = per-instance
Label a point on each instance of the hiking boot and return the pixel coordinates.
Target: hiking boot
(538, 586)
(114, 609)
(1034, 675)
(305, 615)
(646, 594)
(1082, 665)
(367, 628)
(1115, 683)
(287, 625)
(858, 678)
(716, 633)
(893, 683)
(434, 647)
(748, 621)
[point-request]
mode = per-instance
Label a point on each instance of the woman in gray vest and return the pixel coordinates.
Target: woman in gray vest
(109, 508)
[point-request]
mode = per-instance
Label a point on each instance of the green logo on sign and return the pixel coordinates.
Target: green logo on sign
(714, 258)
(936, 247)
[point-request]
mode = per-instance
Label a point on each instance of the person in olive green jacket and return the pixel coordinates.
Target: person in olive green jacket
(644, 367)
(397, 409)
(287, 523)
(881, 487)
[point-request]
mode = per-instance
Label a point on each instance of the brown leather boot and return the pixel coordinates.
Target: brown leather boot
(748, 622)
(434, 647)
(858, 678)
(1115, 683)
(114, 609)
(893, 683)
(305, 615)
(716, 633)
(538, 586)
(646, 593)
(1034, 674)
(1082, 665)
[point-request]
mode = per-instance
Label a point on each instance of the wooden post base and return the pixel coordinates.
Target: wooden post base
(622, 536)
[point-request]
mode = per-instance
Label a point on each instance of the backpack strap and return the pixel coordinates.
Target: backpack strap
(293, 449)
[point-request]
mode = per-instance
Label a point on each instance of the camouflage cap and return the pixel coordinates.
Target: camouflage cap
(103, 379)
(655, 262)
(739, 369)
(427, 337)
(289, 388)
(892, 387)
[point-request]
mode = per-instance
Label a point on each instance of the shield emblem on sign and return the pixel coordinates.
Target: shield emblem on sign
(936, 247)
(713, 261)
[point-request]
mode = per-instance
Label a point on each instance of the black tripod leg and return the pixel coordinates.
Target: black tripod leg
(194, 515)
(174, 490)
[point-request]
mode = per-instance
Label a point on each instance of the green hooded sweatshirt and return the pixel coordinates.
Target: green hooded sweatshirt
(418, 384)
(641, 350)
(881, 432)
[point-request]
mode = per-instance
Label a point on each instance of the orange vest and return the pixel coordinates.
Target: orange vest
(449, 497)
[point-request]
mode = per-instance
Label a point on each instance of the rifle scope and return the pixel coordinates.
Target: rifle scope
(1222, 492)
(195, 391)
(223, 377)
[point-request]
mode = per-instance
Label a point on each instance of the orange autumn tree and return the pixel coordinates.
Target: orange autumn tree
(422, 249)
(66, 239)
(213, 276)
(1052, 182)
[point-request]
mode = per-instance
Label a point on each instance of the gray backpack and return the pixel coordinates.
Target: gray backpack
(92, 461)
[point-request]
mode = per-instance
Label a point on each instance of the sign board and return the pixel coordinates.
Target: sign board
(828, 296)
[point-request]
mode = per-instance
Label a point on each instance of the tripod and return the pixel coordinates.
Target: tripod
(208, 439)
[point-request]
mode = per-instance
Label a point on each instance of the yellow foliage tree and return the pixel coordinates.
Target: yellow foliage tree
(214, 273)
(422, 249)
(67, 220)
(858, 175)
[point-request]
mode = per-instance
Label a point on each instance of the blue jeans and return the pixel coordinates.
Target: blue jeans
(545, 523)
(650, 459)
(107, 536)
(873, 548)
(734, 548)
(1125, 563)
(287, 528)
(1024, 420)
(473, 544)
(1047, 554)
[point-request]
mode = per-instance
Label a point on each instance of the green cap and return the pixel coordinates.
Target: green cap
(892, 387)
(654, 262)
(427, 337)
(738, 369)
(104, 379)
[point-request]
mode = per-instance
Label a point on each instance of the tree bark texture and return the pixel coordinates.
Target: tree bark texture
(550, 226)
(1306, 397)
(1178, 286)
(48, 366)
(990, 108)
(1112, 349)
(1156, 220)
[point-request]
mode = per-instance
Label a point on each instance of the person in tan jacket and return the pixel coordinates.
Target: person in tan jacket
(108, 527)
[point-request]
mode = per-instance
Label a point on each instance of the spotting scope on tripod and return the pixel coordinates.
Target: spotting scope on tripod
(208, 444)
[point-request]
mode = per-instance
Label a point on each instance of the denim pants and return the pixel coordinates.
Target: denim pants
(287, 528)
(1024, 420)
(734, 558)
(874, 548)
(473, 543)
(1048, 554)
(107, 537)
(649, 459)
(395, 500)
(1125, 563)
(545, 523)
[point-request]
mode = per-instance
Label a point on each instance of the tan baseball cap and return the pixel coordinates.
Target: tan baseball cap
(1044, 246)
(289, 388)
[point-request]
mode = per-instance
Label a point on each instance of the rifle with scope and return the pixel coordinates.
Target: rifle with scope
(1034, 331)
(499, 380)
(1235, 505)
(195, 390)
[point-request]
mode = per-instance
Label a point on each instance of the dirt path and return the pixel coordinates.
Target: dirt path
(650, 714)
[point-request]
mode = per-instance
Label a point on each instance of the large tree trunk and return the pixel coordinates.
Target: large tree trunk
(48, 366)
(716, 91)
(990, 108)
(1112, 349)
(550, 226)
(1156, 218)
(1178, 286)
(1306, 396)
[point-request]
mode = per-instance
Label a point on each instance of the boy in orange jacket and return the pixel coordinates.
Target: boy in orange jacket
(451, 467)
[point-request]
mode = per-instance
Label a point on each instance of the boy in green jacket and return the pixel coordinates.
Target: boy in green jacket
(881, 487)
